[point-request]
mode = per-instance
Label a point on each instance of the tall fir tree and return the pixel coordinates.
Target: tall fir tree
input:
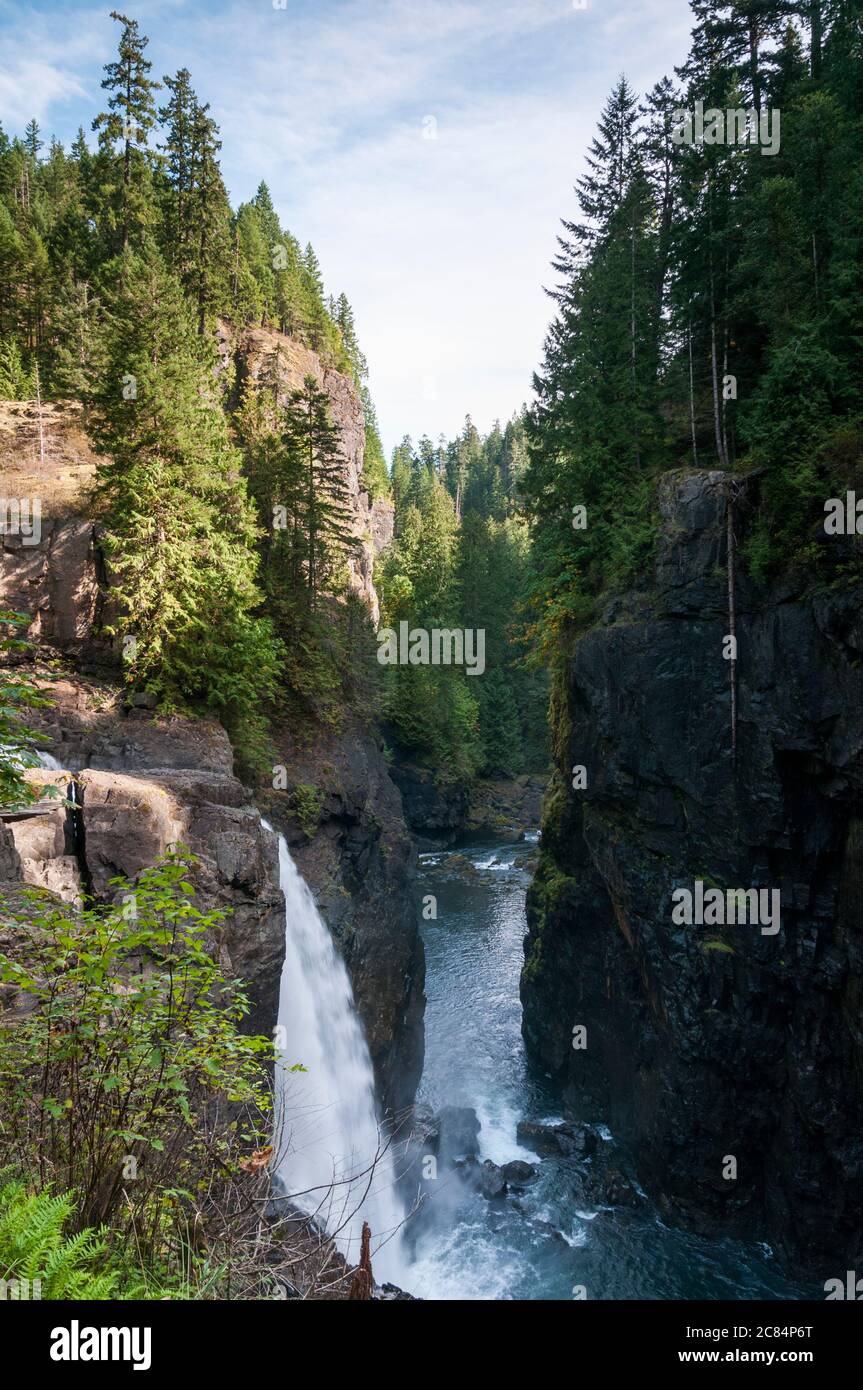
(130, 117)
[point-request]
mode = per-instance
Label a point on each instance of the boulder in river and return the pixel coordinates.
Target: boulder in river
(557, 1141)
(618, 1191)
(519, 1174)
(492, 1180)
(424, 1131)
(458, 1133)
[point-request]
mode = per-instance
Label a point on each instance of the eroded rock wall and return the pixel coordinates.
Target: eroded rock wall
(144, 782)
(243, 353)
(708, 1042)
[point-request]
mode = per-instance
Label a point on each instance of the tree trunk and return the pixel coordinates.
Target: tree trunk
(753, 64)
(362, 1283)
(732, 617)
(815, 38)
(692, 398)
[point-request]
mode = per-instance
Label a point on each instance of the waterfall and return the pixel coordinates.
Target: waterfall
(49, 762)
(328, 1136)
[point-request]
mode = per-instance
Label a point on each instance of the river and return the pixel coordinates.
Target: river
(534, 1244)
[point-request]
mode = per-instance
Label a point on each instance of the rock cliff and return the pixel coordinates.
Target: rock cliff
(242, 354)
(711, 1043)
(143, 782)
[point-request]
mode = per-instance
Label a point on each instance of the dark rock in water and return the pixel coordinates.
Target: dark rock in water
(556, 1141)
(462, 863)
(492, 1180)
(508, 835)
(618, 1191)
(424, 1129)
(711, 1040)
(519, 1174)
(546, 1228)
(458, 1129)
(391, 1293)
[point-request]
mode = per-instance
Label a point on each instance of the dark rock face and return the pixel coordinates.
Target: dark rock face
(504, 808)
(353, 850)
(706, 1043)
(492, 1180)
(10, 863)
(429, 809)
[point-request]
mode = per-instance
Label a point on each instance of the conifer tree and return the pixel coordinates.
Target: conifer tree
(32, 143)
(178, 118)
(313, 447)
(180, 531)
(130, 117)
(209, 216)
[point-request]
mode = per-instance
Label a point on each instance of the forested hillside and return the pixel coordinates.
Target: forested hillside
(709, 305)
(224, 511)
(461, 559)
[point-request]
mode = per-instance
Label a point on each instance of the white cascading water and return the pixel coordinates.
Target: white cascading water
(333, 1161)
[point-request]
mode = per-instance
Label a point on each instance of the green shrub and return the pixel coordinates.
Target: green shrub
(129, 1082)
(17, 695)
(308, 801)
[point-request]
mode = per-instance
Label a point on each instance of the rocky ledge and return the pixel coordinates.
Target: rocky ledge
(441, 812)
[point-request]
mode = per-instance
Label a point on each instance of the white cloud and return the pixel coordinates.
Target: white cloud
(31, 87)
(442, 245)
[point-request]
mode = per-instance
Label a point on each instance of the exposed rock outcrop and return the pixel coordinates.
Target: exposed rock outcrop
(140, 786)
(244, 352)
(342, 818)
(430, 808)
(715, 1050)
(52, 574)
(144, 782)
(442, 811)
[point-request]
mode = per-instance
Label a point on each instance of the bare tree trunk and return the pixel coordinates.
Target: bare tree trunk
(714, 366)
(754, 75)
(692, 397)
(816, 26)
(732, 616)
(724, 399)
(363, 1280)
(39, 412)
(634, 373)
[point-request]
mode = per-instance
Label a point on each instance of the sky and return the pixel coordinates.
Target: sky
(427, 148)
